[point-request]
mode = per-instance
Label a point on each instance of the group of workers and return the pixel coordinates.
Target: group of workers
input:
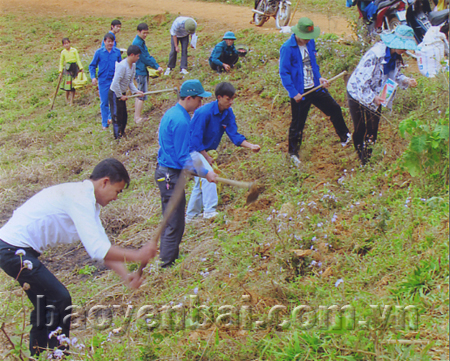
(112, 85)
(70, 212)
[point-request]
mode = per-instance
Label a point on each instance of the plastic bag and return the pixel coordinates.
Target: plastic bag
(153, 73)
(80, 81)
(431, 52)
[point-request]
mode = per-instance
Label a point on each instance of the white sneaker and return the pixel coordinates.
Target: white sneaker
(349, 138)
(295, 160)
(167, 72)
(184, 71)
(208, 215)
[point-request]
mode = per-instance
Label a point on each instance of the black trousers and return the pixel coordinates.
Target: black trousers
(231, 60)
(184, 41)
(365, 125)
(51, 300)
(324, 102)
(119, 114)
(166, 179)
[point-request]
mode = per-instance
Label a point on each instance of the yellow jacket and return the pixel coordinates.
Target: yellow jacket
(69, 56)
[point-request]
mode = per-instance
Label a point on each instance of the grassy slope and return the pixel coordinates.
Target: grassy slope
(371, 227)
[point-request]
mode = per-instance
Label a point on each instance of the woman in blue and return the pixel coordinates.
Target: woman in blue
(224, 56)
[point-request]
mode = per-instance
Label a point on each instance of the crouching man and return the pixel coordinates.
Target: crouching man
(62, 214)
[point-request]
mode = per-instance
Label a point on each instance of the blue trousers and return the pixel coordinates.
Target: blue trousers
(103, 90)
(51, 300)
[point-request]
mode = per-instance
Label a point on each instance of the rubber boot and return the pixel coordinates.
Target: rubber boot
(138, 105)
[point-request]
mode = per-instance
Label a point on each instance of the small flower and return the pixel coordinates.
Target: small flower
(28, 264)
(338, 282)
(58, 354)
(195, 290)
(21, 252)
(203, 259)
(314, 239)
(55, 332)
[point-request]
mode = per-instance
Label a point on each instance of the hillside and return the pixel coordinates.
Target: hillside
(329, 236)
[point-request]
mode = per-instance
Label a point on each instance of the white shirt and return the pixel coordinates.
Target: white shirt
(178, 28)
(308, 77)
(123, 78)
(61, 214)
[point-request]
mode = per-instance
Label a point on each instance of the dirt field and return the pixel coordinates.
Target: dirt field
(213, 16)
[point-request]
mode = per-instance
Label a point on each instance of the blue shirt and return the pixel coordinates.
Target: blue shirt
(103, 41)
(208, 126)
(145, 59)
(220, 49)
(291, 66)
(174, 139)
(106, 63)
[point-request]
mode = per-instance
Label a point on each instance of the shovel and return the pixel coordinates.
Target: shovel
(56, 91)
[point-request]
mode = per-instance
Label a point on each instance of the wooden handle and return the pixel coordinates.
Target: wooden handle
(154, 92)
(329, 81)
(235, 183)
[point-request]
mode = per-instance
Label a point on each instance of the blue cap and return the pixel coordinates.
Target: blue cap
(193, 88)
(229, 35)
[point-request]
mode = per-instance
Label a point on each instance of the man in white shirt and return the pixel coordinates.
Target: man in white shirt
(180, 30)
(62, 214)
(123, 79)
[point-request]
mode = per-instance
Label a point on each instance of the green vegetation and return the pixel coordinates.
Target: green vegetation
(373, 239)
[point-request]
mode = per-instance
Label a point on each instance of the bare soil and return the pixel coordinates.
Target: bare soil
(213, 16)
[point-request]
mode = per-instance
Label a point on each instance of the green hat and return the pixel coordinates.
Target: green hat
(401, 38)
(190, 26)
(229, 35)
(193, 88)
(305, 29)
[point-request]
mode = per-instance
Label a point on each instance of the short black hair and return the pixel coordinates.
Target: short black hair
(111, 168)
(115, 22)
(225, 88)
(65, 39)
(192, 96)
(142, 26)
(133, 49)
(109, 36)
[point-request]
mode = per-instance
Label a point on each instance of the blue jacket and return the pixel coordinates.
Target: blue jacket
(291, 66)
(208, 126)
(106, 63)
(220, 49)
(145, 59)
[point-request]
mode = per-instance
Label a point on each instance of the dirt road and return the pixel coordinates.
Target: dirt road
(214, 16)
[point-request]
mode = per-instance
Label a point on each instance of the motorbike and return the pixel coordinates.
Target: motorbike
(279, 9)
(420, 17)
(382, 15)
